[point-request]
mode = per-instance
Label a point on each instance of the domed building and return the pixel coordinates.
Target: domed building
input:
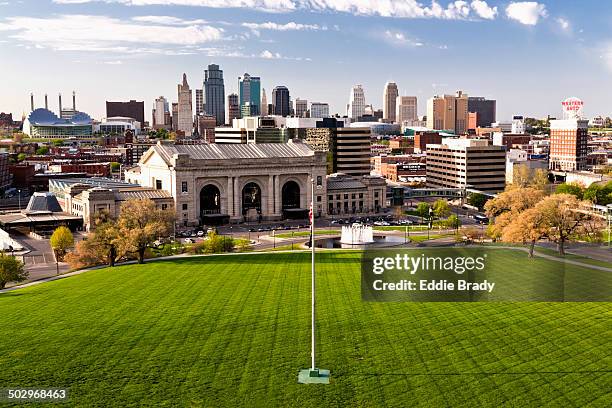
(42, 123)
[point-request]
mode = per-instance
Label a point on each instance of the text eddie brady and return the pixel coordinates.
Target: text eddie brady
(428, 275)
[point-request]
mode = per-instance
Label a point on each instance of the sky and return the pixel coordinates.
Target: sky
(529, 56)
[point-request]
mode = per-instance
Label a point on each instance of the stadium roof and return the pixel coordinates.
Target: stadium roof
(44, 117)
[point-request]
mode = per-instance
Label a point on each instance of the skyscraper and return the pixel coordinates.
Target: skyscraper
(568, 144)
(264, 103)
(185, 108)
(301, 107)
(132, 109)
(389, 100)
(161, 113)
(448, 112)
(356, 106)
(250, 92)
(233, 107)
(485, 108)
(214, 93)
(280, 99)
(199, 102)
(406, 109)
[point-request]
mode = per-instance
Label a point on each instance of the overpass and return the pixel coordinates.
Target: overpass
(443, 192)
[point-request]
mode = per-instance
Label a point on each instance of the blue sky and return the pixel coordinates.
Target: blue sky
(527, 55)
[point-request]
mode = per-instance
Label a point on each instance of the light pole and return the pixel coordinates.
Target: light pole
(609, 219)
(274, 239)
(19, 198)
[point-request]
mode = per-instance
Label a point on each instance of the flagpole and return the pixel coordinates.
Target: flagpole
(312, 248)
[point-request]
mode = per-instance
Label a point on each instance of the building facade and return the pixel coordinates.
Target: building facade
(406, 109)
(568, 144)
(471, 163)
(357, 105)
(185, 109)
(280, 100)
(301, 108)
(319, 110)
(448, 112)
(213, 184)
(351, 150)
(199, 104)
(250, 94)
(233, 107)
(214, 93)
(390, 95)
(486, 110)
(131, 109)
(161, 114)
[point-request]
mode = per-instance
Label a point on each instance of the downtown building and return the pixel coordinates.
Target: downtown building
(131, 109)
(281, 101)
(184, 111)
(389, 102)
(250, 95)
(233, 107)
(568, 144)
(466, 163)
(484, 111)
(301, 108)
(319, 110)
(357, 106)
(448, 112)
(214, 93)
(406, 107)
(161, 114)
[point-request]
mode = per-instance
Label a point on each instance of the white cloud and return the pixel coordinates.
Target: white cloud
(167, 20)
(100, 33)
(290, 26)
(564, 24)
(457, 9)
(270, 55)
(526, 12)
(401, 39)
(234, 52)
(116, 62)
(483, 10)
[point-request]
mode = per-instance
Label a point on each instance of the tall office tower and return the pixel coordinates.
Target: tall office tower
(406, 109)
(457, 163)
(280, 99)
(264, 103)
(233, 107)
(185, 109)
(160, 113)
(356, 106)
(351, 150)
(568, 144)
(485, 109)
(132, 109)
(214, 93)
(301, 107)
(174, 116)
(250, 92)
(389, 102)
(448, 112)
(199, 102)
(319, 110)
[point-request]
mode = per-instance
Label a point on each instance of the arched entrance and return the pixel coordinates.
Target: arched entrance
(251, 200)
(291, 201)
(210, 200)
(291, 195)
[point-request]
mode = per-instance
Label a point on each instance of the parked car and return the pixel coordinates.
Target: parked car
(200, 233)
(188, 241)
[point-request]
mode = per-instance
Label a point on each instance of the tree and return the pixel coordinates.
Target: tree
(11, 270)
(598, 194)
(453, 222)
(441, 208)
(21, 157)
(527, 228)
(422, 210)
(570, 188)
(561, 215)
(140, 224)
(114, 166)
(477, 200)
(85, 253)
(41, 151)
(61, 240)
(523, 176)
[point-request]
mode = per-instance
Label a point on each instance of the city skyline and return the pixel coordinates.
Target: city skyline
(533, 56)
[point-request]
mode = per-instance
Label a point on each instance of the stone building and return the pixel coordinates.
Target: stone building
(217, 183)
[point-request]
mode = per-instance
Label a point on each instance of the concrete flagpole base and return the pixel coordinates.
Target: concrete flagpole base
(316, 376)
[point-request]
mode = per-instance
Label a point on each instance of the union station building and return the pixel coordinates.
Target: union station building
(219, 183)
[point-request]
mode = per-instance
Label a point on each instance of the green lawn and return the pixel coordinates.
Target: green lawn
(297, 234)
(230, 331)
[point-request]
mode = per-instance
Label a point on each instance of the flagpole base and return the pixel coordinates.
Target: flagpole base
(313, 376)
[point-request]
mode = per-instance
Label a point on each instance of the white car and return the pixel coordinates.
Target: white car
(200, 233)
(188, 241)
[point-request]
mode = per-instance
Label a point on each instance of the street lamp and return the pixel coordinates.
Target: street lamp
(19, 198)
(609, 219)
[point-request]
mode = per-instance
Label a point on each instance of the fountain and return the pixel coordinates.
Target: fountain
(357, 234)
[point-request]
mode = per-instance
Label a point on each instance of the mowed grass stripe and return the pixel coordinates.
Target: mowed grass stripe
(234, 330)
